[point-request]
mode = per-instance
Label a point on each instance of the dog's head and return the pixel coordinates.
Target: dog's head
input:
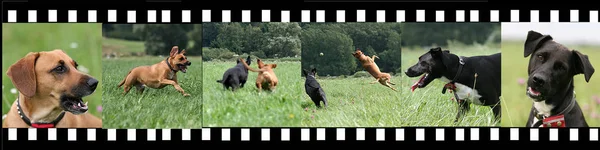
(431, 65)
(179, 60)
(358, 53)
(248, 60)
(262, 65)
(53, 77)
(552, 66)
(310, 73)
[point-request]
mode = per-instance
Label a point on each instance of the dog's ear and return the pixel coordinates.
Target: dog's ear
(304, 72)
(248, 60)
(314, 70)
(22, 74)
(435, 49)
(182, 52)
(582, 64)
(174, 51)
(534, 41)
(446, 59)
(273, 65)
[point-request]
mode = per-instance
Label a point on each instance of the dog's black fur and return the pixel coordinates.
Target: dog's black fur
(551, 69)
(313, 88)
(439, 64)
(235, 77)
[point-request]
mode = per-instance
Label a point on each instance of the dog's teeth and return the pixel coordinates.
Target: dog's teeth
(86, 103)
(79, 104)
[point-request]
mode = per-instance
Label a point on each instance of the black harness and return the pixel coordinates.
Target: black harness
(37, 125)
(450, 85)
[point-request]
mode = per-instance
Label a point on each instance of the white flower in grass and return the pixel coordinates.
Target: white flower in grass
(74, 45)
(83, 69)
(13, 90)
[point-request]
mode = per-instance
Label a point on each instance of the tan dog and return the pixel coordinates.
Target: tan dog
(50, 93)
(266, 77)
(369, 65)
(159, 75)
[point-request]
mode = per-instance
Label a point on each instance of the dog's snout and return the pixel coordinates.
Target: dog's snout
(92, 83)
(189, 63)
(538, 80)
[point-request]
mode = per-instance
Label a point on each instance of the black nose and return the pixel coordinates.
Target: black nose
(538, 80)
(189, 63)
(92, 83)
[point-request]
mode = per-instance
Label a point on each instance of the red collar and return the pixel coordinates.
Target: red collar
(554, 121)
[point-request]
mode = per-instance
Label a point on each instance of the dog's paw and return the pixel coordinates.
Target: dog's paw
(186, 95)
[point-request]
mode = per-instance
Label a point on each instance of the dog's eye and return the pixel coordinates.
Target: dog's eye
(60, 69)
(540, 57)
(181, 58)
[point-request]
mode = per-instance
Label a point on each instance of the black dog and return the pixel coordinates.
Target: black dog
(313, 88)
(235, 77)
(550, 83)
(473, 79)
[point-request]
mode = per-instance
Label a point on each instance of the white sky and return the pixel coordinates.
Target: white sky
(566, 33)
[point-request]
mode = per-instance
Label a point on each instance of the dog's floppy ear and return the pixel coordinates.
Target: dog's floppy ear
(174, 51)
(582, 64)
(534, 41)
(22, 74)
(446, 58)
(248, 60)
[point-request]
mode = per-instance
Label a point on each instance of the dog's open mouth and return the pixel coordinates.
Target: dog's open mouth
(419, 83)
(74, 105)
(182, 67)
(534, 94)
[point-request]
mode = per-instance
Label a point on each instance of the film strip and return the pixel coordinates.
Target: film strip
(400, 134)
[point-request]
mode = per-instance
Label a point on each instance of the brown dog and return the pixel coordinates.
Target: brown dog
(266, 77)
(369, 64)
(159, 75)
(50, 93)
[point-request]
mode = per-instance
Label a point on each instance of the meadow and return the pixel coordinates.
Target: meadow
(514, 82)
(428, 106)
(155, 108)
(81, 41)
(246, 107)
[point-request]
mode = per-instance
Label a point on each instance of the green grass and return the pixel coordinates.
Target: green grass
(156, 108)
(428, 106)
(517, 105)
(18, 39)
(122, 46)
(247, 108)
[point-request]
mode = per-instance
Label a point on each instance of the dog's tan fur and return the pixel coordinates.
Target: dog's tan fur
(40, 91)
(369, 64)
(266, 76)
(157, 75)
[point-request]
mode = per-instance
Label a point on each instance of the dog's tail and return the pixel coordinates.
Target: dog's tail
(248, 67)
(123, 81)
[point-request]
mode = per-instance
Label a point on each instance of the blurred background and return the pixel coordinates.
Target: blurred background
(81, 41)
(579, 36)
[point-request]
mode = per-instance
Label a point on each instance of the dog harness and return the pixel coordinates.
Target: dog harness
(38, 125)
(167, 62)
(450, 85)
(557, 120)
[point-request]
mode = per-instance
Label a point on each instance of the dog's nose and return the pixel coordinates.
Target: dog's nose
(189, 63)
(538, 79)
(92, 83)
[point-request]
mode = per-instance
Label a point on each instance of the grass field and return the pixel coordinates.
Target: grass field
(247, 108)
(81, 41)
(121, 46)
(514, 78)
(156, 108)
(428, 106)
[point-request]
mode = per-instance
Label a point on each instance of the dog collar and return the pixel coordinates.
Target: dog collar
(37, 125)
(167, 62)
(557, 120)
(450, 85)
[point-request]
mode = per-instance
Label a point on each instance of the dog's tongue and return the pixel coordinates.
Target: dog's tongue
(533, 91)
(183, 68)
(414, 86)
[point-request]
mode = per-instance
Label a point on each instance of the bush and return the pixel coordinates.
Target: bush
(217, 54)
(361, 74)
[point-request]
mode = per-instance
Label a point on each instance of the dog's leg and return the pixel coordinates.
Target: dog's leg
(385, 83)
(140, 87)
(259, 87)
(177, 87)
(376, 80)
(463, 108)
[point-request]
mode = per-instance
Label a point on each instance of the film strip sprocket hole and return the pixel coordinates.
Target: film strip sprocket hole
(409, 134)
(199, 16)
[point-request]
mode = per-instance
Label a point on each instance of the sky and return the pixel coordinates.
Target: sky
(566, 33)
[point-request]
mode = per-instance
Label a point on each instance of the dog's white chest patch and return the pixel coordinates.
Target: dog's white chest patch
(465, 92)
(171, 75)
(542, 108)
